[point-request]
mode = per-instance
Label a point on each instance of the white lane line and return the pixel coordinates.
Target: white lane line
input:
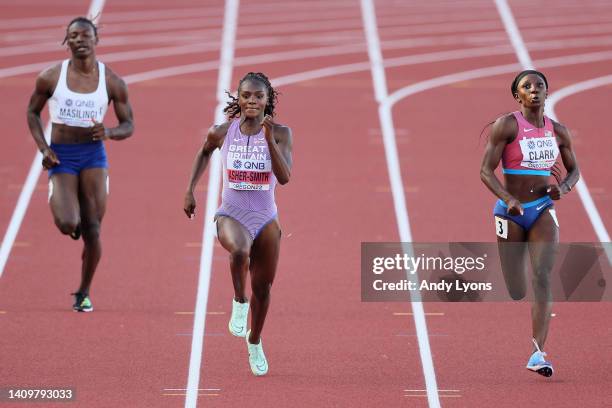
(438, 390)
(111, 57)
(364, 66)
(51, 47)
(197, 21)
(450, 79)
(33, 37)
(95, 8)
(355, 47)
(527, 63)
(22, 204)
(515, 35)
(399, 199)
(493, 71)
(127, 16)
(230, 24)
(581, 187)
(191, 48)
(42, 44)
(433, 82)
(185, 389)
(258, 10)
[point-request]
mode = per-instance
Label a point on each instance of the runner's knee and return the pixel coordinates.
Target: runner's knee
(239, 256)
(261, 290)
(66, 225)
(541, 281)
(91, 230)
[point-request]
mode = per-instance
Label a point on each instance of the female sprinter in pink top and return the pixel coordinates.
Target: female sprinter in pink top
(256, 153)
(528, 145)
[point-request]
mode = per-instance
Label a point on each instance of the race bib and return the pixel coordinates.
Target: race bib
(539, 152)
(501, 227)
(249, 174)
(248, 180)
(80, 112)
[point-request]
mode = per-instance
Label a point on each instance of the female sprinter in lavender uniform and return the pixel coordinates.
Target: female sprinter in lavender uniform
(256, 153)
(528, 144)
(79, 91)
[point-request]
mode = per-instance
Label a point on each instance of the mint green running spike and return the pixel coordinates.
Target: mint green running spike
(82, 303)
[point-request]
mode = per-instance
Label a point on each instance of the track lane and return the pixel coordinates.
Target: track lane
(446, 131)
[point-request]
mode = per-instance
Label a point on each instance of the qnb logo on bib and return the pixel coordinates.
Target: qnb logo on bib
(79, 112)
(244, 174)
(539, 152)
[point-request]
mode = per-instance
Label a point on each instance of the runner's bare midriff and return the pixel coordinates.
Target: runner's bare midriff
(63, 134)
(526, 188)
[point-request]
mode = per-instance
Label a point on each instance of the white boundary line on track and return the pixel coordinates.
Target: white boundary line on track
(587, 200)
(364, 66)
(224, 81)
(112, 17)
(126, 16)
(527, 63)
(29, 38)
(397, 187)
(514, 34)
(351, 46)
(95, 10)
(337, 48)
(297, 22)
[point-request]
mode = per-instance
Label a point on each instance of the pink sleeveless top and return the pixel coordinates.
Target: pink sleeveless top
(534, 151)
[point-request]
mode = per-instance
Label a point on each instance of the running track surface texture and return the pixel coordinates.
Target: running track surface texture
(325, 347)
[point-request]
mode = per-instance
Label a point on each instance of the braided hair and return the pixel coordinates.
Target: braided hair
(232, 109)
(80, 20)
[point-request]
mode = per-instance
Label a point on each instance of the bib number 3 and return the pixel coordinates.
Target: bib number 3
(501, 227)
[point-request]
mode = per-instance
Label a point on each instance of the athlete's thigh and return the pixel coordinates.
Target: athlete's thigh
(232, 235)
(512, 251)
(265, 252)
(545, 228)
(543, 239)
(64, 197)
(93, 190)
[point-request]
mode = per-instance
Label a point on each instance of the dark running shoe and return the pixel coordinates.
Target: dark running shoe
(82, 303)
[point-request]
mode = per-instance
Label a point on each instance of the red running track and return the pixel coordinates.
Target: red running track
(325, 347)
